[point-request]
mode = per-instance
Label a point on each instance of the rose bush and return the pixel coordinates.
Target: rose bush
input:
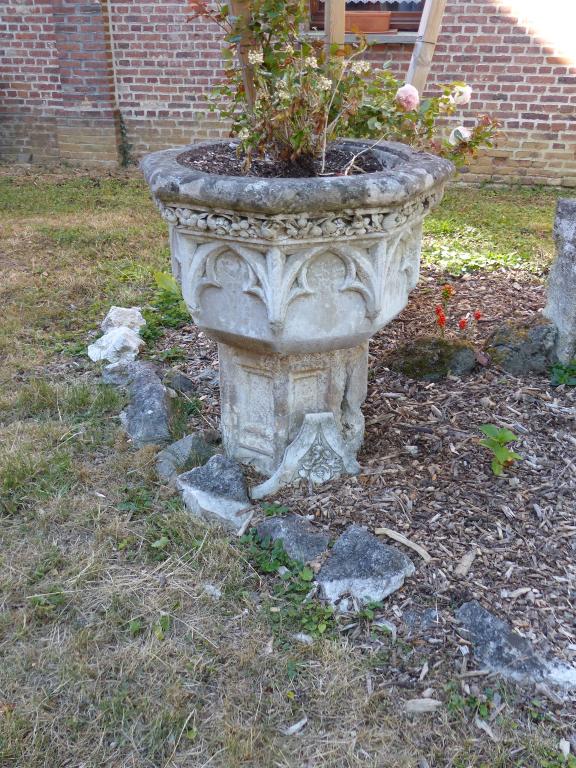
(292, 97)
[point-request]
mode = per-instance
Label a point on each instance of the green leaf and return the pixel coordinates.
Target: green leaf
(306, 574)
(135, 626)
(497, 468)
(502, 453)
(506, 436)
(490, 430)
(166, 282)
(162, 626)
(160, 543)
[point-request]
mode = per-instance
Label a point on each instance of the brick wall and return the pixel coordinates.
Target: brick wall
(65, 83)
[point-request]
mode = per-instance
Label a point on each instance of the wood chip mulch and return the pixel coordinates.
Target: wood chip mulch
(509, 542)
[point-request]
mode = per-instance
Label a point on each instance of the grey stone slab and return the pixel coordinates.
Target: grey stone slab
(216, 492)
(521, 349)
(361, 566)
(179, 382)
(420, 621)
(196, 448)
(500, 649)
(561, 306)
(301, 539)
(121, 374)
(147, 417)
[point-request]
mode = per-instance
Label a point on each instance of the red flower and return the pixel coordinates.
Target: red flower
(462, 323)
(439, 311)
(441, 319)
(477, 315)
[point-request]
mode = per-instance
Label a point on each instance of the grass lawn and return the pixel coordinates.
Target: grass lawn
(132, 636)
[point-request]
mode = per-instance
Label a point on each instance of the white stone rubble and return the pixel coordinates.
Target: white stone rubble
(118, 345)
(127, 317)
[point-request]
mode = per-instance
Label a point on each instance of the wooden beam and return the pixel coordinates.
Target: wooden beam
(241, 8)
(428, 32)
(334, 22)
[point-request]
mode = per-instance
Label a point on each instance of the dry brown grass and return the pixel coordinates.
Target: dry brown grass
(112, 651)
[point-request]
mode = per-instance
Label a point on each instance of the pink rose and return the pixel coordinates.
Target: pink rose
(407, 97)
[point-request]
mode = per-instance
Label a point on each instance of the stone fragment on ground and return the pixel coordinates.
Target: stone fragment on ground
(217, 492)
(147, 417)
(432, 359)
(301, 540)
(209, 376)
(561, 306)
(520, 349)
(317, 454)
(192, 450)
(498, 648)
(119, 344)
(128, 317)
(360, 566)
(179, 382)
(121, 374)
(421, 621)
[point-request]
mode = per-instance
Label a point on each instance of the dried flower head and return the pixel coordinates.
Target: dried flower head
(255, 57)
(311, 61)
(360, 67)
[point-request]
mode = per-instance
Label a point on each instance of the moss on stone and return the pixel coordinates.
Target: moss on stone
(432, 359)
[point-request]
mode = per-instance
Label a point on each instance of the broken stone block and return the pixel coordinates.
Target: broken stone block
(361, 566)
(217, 492)
(179, 382)
(147, 417)
(561, 306)
(318, 454)
(300, 539)
(432, 359)
(122, 374)
(119, 344)
(521, 349)
(500, 649)
(127, 317)
(193, 449)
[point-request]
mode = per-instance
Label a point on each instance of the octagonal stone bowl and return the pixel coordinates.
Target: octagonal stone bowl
(291, 277)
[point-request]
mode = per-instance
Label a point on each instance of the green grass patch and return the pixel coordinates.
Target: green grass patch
(490, 229)
(70, 195)
(75, 402)
(29, 477)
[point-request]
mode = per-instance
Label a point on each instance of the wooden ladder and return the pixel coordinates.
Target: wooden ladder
(424, 45)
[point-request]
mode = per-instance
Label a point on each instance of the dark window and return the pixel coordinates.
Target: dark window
(405, 16)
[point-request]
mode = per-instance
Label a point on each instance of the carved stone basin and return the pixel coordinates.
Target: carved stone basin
(291, 277)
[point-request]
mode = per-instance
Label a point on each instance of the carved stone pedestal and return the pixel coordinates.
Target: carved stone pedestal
(264, 398)
(291, 277)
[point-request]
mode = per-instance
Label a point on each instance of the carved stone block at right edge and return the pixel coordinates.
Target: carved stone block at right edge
(561, 306)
